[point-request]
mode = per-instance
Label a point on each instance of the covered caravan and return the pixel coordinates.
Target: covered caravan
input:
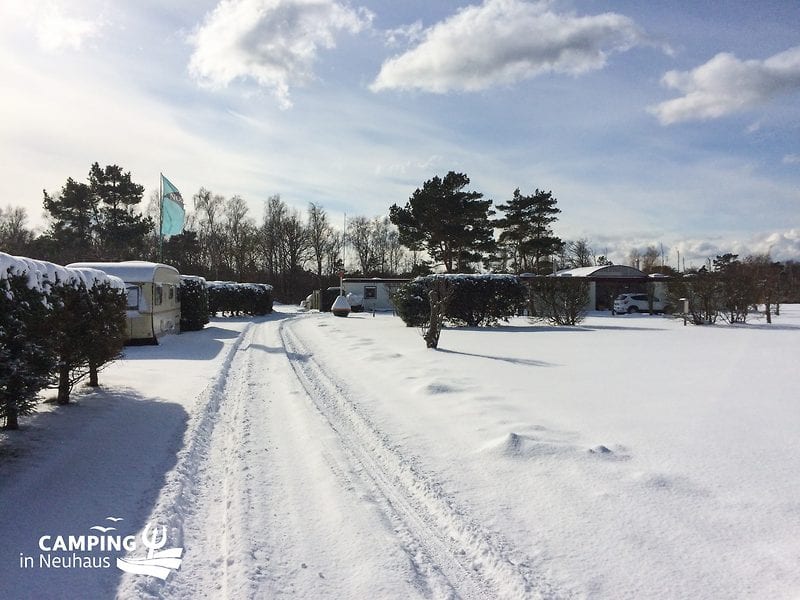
(609, 281)
(153, 296)
(376, 293)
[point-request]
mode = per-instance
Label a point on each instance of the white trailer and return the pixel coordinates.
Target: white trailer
(153, 296)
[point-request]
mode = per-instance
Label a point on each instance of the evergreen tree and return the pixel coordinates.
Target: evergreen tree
(71, 334)
(106, 327)
(74, 214)
(27, 358)
(122, 231)
(527, 230)
(449, 222)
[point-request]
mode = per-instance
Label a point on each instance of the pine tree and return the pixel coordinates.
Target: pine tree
(527, 230)
(449, 222)
(74, 214)
(122, 231)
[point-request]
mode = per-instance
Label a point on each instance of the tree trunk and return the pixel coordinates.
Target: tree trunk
(63, 385)
(768, 311)
(12, 417)
(438, 299)
(93, 381)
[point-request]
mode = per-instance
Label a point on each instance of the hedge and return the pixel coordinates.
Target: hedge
(233, 299)
(56, 323)
(477, 300)
(194, 303)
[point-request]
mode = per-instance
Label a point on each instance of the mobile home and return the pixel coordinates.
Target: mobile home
(376, 293)
(153, 297)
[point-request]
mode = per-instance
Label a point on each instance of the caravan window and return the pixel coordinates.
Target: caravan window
(159, 295)
(171, 293)
(133, 296)
(370, 292)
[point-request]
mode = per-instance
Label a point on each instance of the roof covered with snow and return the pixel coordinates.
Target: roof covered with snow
(129, 270)
(603, 272)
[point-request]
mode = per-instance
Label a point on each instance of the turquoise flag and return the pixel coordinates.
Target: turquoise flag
(172, 213)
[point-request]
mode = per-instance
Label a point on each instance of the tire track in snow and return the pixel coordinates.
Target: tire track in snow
(178, 496)
(477, 563)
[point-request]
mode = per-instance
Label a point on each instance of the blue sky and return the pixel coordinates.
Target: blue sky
(653, 123)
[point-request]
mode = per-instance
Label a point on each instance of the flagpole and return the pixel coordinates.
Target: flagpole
(160, 217)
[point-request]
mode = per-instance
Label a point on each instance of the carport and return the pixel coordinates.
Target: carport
(609, 281)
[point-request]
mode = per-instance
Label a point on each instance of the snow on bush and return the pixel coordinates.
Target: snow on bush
(54, 321)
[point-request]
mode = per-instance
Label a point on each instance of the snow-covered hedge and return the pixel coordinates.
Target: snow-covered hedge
(56, 323)
(235, 299)
(476, 300)
(194, 303)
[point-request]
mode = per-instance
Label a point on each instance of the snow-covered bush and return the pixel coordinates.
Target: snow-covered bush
(239, 298)
(55, 322)
(194, 303)
(476, 300)
(557, 300)
(88, 323)
(27, 359)
(107, 326)
(411, 302)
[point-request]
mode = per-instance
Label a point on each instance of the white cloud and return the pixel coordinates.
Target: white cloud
(409, 34)
(791, 159)
(504, 41)
(273, 42)
(725, 85)
(57, 31)
(54, 27)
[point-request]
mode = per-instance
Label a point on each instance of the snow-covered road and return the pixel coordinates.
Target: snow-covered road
(289, 490)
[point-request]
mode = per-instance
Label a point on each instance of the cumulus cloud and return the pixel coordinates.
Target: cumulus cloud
(726, 85)
(272, 42)
(791, 159)
(504, 41)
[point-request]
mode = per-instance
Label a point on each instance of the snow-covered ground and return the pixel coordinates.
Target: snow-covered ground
(318, 457)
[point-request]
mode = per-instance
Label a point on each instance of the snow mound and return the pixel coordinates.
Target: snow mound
(601, 450)
(517, 445)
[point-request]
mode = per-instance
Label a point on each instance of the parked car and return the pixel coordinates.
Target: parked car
(632, 303)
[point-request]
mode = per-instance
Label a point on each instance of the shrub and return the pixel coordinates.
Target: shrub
(703, 290)
(54, 321)
(411, 302)
(107, 325)
(475, 301)
(558, 300)
(27, 359)
(194, 303)
(239, 298)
